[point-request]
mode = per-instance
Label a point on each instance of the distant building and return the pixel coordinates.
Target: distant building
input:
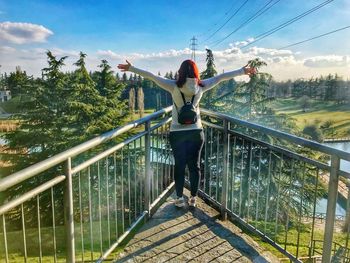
(5, 95)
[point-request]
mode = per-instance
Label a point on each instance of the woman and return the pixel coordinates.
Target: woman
(186, 139)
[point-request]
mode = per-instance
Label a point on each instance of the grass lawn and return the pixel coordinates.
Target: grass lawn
(318, 112)
(292, 239)
(16, 250)
(12, 106)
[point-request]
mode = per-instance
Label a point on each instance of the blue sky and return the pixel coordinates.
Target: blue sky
(155, 34)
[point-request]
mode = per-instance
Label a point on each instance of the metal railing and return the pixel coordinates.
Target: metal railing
(259, 177)
(268, 182)
(82, 203)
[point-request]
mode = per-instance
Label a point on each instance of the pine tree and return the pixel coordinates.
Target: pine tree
(86, 101)
(124, 77)
(17, 82)
(208, 73)
(115, 110)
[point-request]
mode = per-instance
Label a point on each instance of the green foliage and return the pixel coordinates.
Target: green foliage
(17, 82)
(313, 132)
(64, 110)
(209, 72)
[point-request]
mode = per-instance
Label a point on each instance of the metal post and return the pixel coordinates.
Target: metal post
(225, 172)
(347, 217)
(331, 205)
(147, 165)
(69, 220)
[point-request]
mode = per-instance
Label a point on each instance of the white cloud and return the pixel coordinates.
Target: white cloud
(282, 64)
(260, 51)
(108, 54)
(6, 49)
(327, 61)
(22, 33)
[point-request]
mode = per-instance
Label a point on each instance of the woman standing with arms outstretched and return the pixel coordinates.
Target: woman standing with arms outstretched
(186, 133)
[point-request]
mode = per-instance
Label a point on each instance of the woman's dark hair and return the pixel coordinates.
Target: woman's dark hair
(188, 69)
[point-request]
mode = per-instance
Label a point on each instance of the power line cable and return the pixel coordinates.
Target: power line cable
(213, 27)
(261, 11)
(312, 38)
(287, 23)
(228, 20)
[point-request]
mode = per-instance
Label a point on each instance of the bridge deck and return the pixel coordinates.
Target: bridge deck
(187, 235)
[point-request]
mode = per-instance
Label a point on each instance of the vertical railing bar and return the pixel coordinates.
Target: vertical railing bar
(249, 177)
(278, 197)
(240, 181)
(165, 183)
(166, 155)
(229, 171)
(39, 228)
(129, 186)
(289, 195)
(115, 195)
(233, 177)
(107, 203)
(53, 225)
(167, 162)
(142, 175)
(122, 190)
(211, 161)
(157, 168)
(314, 214)
(258, 189)
(69, 213)
(347, 223)
(226, 146)
(99, 204)
(301, 209)
(331, 206)
(217, 165)
(81, 218)
(267, 193)
(205, 157)
(152, 158)
(5, 238)
(24, 234)
(135, 182)
(90, 214)
(162, 160)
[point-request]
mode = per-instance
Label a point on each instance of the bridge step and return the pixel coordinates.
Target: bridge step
(183, 235)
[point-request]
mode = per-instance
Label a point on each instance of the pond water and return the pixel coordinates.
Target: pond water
(321, 206)
(345, 146)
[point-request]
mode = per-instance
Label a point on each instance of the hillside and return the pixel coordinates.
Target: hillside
(334, 118)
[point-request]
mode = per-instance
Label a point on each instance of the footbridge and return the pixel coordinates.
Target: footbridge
(110, 199)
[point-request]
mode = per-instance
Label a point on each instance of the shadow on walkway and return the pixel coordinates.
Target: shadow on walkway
(191, 235)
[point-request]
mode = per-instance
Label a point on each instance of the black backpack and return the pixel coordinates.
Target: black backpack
(187, 113)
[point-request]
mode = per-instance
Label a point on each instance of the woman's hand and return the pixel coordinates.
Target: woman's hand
(124, 67)
(250, 71)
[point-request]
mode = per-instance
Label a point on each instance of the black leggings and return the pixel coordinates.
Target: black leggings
(187, 146)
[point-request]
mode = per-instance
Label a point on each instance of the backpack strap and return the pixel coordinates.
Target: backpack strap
(183, 98)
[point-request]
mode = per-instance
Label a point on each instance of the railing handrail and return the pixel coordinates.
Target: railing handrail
(39, 167)
(282, 135)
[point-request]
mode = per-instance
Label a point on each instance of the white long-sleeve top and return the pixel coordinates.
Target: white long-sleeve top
(189, 89)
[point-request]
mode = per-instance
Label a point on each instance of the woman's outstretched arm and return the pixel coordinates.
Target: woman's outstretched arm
(164, 83)
(212, 82)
